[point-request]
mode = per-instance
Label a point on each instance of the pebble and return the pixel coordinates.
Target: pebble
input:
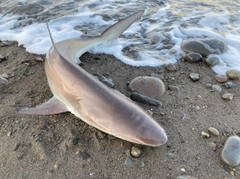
(208, 85)
(107, 81)
(145, 99)
(135, 152)
(128, 161)
(38, 59)
(185, 177)
(150, 86)
(73, 141)
(212, 61)
(5, 76)
(194, 76)
(231, 151)
(221, 78)
(233, 73)
(196, 108)
(173, 88)
(2, 58)
(193, 57)
(230, 85)
(169, 155)
(204, 46)
(216, 88)
(214, 131)
(84, 155)
(5, 43)
(205, 135)
(227, 96)
(171, 67)
(214, 146)
(3, 80)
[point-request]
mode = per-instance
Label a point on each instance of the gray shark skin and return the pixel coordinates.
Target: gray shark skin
(78, 92)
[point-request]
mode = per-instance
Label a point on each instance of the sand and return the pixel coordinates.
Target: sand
(43, 146)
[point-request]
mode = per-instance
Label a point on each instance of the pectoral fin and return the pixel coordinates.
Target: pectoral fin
(52, 106)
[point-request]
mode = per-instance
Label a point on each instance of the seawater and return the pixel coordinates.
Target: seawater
(154, 40)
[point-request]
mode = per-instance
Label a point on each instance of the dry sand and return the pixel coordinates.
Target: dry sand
(40, 146)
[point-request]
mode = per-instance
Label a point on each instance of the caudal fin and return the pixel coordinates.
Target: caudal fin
(117, 29)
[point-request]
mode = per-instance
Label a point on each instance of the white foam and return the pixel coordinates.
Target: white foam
(166, 22)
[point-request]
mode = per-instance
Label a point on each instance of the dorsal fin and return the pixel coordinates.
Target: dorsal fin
(54, 46)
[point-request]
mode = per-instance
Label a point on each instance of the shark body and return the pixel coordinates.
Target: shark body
(78, 92)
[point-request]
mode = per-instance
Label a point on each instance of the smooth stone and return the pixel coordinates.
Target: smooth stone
(231, 151)
(208, 85)
(107, 81)
(214, 131)
(135, 152)
(205, 46)
(173, 88)
(233, 73)
(211, 61)
(227, 96)
(214, 146)
(216, 88)
(169, 155)
(221, 78)
(205, 135)
(5, 76)
(73, 141)
(230, 85)
(193, 57)
(38, 59)
(171, 67)
(3, 80)
(145, 99)
(194, 76)
(185, 177)
(147, 85)
(128, 161)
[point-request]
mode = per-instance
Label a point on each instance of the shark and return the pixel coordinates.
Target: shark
(77, 91)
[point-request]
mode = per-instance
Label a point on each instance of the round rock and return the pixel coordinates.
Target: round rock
(194, 76)
(227, 96)
(231, 151)
(171, 67)
(233, 73)
(147, 85)
(204, 46)
(193, 57)
(214, 131)
(211, 61)
(230, 85)
(135, 152)
(221, 78)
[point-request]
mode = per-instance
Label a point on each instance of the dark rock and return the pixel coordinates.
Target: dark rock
(144, 99)
(211, 61)
(194, 76)
(107, 82)
(205, 46)
(230, 85)
(193, 57)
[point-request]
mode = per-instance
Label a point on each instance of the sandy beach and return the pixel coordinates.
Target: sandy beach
(62, 146)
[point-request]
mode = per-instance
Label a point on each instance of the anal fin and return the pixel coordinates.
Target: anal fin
(52, 106)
